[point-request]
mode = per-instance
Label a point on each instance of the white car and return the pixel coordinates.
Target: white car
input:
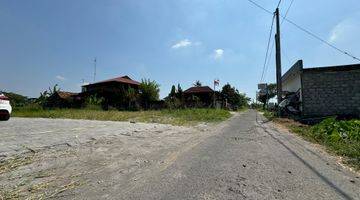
(5, 107)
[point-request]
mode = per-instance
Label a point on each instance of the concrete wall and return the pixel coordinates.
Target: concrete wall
(291, 80)
(331, 91)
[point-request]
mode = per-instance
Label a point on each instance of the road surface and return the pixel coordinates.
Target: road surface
(242, 158)
(250, 159)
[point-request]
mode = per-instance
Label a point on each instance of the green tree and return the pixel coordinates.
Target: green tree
(149, 91)
(179, 92)
(234, 97)
(269, 94)
(172, 92)
(44, 96)
(243, 100)
(131, 96)
(175, 98)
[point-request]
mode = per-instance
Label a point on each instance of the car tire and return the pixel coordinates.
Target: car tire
(7, 117)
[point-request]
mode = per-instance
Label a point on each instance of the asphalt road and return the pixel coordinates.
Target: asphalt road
(249, 159)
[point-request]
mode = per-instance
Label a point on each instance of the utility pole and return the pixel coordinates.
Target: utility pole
(278, 60)
(94, 69)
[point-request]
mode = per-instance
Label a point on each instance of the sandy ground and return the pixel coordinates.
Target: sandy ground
(43, 158)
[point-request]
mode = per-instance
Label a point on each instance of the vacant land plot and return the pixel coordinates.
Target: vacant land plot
(174, 117)
(43, 158)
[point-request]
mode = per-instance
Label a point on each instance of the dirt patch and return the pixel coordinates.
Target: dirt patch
(44, 158)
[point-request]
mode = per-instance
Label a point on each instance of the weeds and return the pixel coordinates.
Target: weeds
(175, 117)
(341, 137)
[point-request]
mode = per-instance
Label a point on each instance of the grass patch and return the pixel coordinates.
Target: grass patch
(269, 115)
(175, 117)
(341, 137)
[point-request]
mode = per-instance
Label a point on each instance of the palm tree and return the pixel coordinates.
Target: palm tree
(197, 83)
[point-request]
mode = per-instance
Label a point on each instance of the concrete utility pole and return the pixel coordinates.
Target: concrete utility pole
(278, 59)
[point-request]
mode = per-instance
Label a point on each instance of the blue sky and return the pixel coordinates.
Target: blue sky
(171, 41)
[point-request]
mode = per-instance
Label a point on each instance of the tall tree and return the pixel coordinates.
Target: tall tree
(172, 92)
(179, 91)
(149, 91)
(234, 97)
(268, 94)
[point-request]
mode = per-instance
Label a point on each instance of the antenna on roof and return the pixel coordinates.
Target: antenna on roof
(94, 69)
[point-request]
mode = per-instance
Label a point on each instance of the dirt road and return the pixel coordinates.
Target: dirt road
(243, 158)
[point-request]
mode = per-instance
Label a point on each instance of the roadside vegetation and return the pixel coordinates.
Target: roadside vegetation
(165, 116)
(341, 137)
(142, 105)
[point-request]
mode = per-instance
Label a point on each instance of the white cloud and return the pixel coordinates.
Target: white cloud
(181, 44)
(346, 30)
(218, 54)
(61, 78)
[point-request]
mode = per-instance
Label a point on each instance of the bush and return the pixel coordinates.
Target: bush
(32, 107)
(94, 103)
(343, 137)
(335, 131)
(340, 136)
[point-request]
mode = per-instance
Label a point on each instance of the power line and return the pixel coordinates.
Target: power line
(267, 49)
(273, 42)
(287, 11)
(270, 59)
(308, 32)
(322, 40)
(269, 40)
(262, 8)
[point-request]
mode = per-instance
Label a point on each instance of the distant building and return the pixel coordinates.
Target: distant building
(62, 99)
(199, 96)
(113, 91)
(325, 91)
(111, 85)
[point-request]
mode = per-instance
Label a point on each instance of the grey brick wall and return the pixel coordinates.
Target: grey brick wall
(330, 92)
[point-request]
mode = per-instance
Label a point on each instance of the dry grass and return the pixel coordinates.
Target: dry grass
(15, 162)
(174, 117)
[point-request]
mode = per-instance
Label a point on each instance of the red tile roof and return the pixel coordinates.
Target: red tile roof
(201, 89)
(66, 95)
(122, 79)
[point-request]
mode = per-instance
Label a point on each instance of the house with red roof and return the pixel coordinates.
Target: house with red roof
(199, 96)
(113, 91)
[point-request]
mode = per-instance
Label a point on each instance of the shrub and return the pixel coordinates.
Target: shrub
(343, 137)
(94, 103)
(337, 130)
